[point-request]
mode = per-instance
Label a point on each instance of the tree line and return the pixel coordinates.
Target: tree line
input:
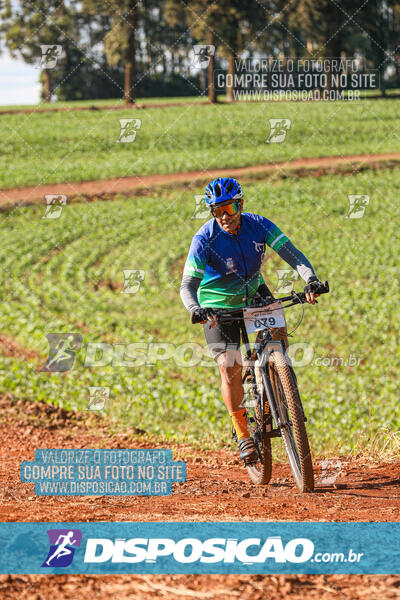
(130, 48)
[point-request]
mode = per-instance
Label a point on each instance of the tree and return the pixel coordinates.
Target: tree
(28, 26)
(382, 26)
(165, 47)
(120, 41)
(84, 72)
(231, 38)
(202, 18)
(341, 28)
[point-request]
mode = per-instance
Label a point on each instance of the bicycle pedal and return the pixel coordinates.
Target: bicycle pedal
(252, 459)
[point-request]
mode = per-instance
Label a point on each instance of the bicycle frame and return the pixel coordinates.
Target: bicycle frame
(278, 387)
(263, 351)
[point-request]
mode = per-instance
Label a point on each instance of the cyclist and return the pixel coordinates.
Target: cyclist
(222, 270)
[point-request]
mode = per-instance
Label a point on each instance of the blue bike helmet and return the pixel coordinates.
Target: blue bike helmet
(221, 190)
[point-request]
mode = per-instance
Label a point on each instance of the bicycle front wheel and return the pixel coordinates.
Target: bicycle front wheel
(293, 428)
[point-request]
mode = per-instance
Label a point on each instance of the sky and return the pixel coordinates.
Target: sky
(19, 81)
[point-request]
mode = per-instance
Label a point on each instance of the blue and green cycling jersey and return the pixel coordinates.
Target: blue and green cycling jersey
(228, 264)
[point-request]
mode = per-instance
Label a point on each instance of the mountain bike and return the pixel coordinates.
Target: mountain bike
(275, 408)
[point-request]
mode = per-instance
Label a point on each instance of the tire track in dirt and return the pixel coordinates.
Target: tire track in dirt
(147, 183)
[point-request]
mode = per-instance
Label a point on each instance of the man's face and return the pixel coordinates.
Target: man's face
(229, 223)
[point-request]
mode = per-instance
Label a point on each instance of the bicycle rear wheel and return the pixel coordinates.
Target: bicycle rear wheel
(259, 472)
(293, 431)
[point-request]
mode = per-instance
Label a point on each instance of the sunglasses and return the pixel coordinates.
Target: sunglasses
(230, 209)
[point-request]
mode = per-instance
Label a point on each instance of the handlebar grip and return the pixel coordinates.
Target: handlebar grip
(195, 318)
(318, 287)
(324, 288)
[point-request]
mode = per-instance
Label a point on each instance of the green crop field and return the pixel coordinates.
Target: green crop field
(66, 275)
(117, 102)
(73, 146)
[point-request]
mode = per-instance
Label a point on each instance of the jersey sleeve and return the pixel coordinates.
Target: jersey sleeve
(196, 260)
(274, 237)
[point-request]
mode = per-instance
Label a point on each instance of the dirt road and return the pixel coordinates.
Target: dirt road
(119, 105)
(217, 489)
(145, 183)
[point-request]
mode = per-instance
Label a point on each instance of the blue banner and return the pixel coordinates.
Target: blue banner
(116, 548)
(99, 472)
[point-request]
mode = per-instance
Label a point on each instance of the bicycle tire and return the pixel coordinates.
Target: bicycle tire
(289, 406)
(260, 472)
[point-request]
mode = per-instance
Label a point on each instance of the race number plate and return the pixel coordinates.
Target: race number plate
(256, 319)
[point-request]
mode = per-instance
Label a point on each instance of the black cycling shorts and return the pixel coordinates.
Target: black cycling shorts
(222, 337)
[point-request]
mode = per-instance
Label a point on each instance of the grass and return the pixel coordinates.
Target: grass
(161, 100)
(65, 275)
(382, 446)
(74, 146)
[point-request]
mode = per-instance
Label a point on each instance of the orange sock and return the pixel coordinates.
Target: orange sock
(239, 423)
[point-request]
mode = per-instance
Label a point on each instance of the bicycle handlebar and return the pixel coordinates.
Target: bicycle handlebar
(321, 288)
(237, 313)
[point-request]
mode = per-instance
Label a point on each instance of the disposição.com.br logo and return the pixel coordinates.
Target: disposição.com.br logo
(63, 543)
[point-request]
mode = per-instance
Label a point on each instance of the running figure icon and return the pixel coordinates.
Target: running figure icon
(63, 348)
(63, 543)
(62, 549)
